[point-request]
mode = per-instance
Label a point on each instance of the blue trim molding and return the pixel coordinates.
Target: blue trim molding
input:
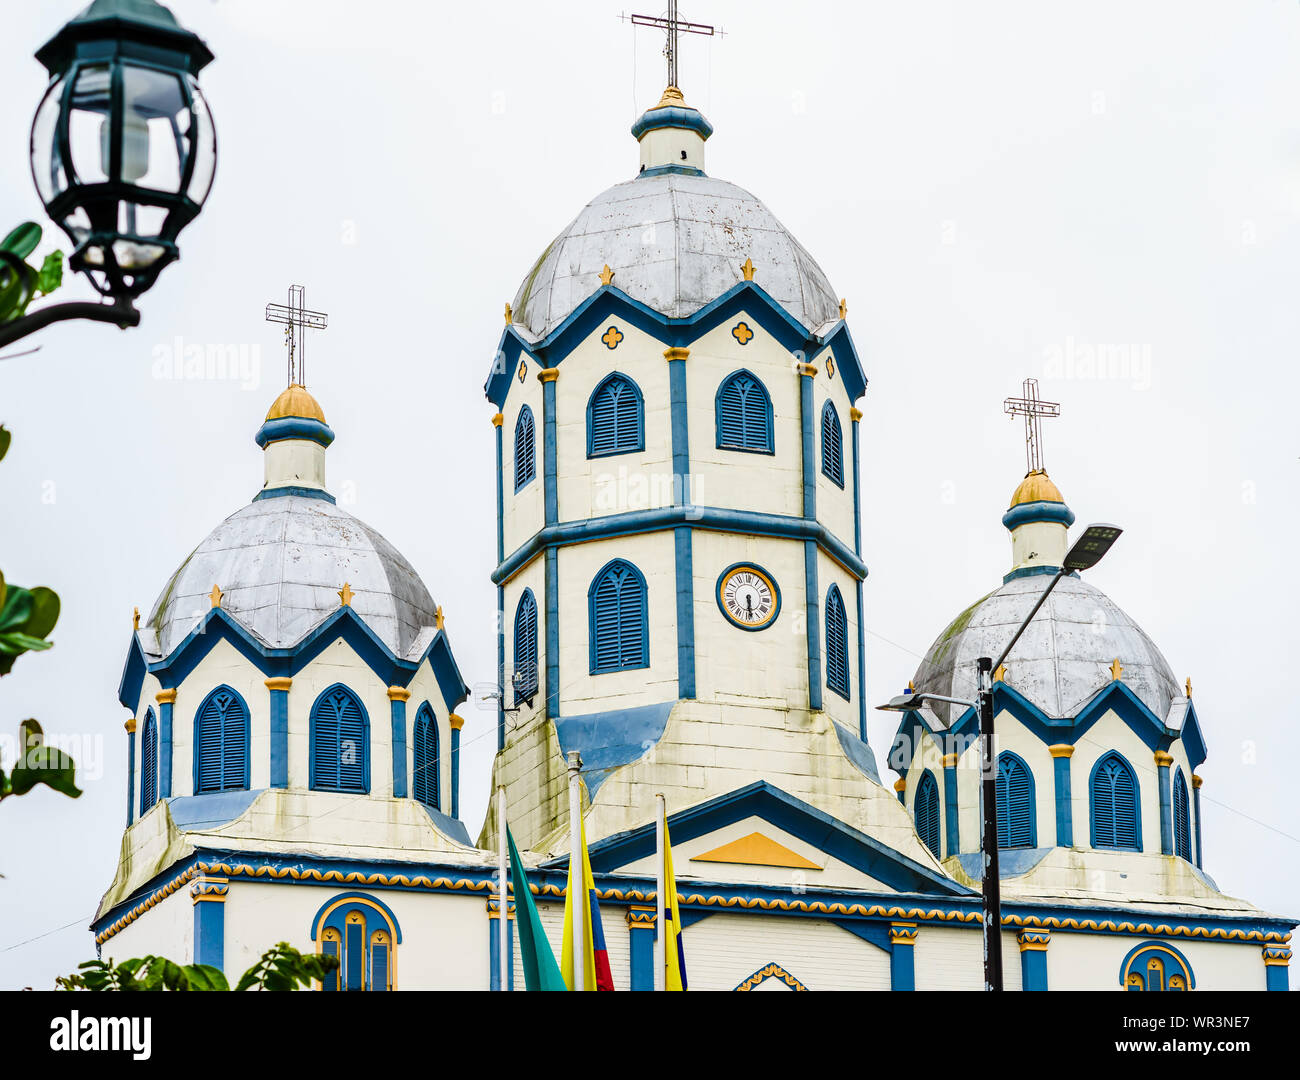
(294, 490)
(682, 545)
(672, 116)
(952, 827)
(278, 689)
(1061, 754)
(1136, 974)
(1025, 513)
(680, 427)
(294, 427)
(166, 705)
(209, 896)
(812, 600)
(1163, 761)
(397, 697)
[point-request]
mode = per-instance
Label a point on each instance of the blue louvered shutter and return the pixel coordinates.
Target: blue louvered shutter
(744, 414)
(525, 448)
(379, 966)
(832, 445)
(1182, 819)
(837, 643)
(355, 961)
(614, 418)
(1114, 805)
(526, 675)
(148, 763)
(1015, 791)
(927, 813)
(221, 744)
(339, 743)
(425, 757)
(330, 947)
(618, 619)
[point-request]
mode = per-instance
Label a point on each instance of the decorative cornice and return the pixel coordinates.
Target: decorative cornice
(1197, 781)
(949, 760)
(549, 374)
(676, 353)
(1276, 956)
(1164, 759)
(294, 427)
(130, 725)
(641, 917)
(279, 682)
(1064, 750)
(209, 889)
(398, 693)
(1027, 513)
(498, 420)
(165, 697)
(805, 369)
(1033, 940)
(902, 933)
(456, 722)
(900, 784)
(855, 414)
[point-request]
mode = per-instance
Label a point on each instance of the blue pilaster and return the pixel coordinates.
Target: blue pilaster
(951, 820)
(209, 896)
(1196, 803)
(397, 698)
(685, 612)
(807, 372)
(681, 440)
(130, 771)
(1163, 761)
(552, 633)
(1277, 960)
(456, 724)
(547, 376)
(501, 667)
(1033, 958)
(862, 669)
(641, 946)
(814, 607)
(279, 691)
(494, 944)
(166, 700)
(1061, 753)
(497, 421)
(902, 961)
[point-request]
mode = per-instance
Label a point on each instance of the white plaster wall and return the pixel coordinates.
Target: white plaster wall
(723, 950)
(166, 929)
(756, 667)
(952, 958)
(733, 478)
(619, 483)
(525, 510)
(580, 691)
(834, 504)
(1093, 961)
(830, 572)
(424, 688)
(532, 576)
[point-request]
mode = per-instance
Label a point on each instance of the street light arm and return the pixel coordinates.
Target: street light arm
(121, 312)
(1028, 618)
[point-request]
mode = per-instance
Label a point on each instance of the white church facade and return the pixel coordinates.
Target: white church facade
(680, 587)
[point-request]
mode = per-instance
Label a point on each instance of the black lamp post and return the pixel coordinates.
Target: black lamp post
(123, 151)
(1086, 553)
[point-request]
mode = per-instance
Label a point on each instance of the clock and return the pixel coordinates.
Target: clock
(748, 596)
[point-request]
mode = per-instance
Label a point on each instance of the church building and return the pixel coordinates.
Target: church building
(679, 590)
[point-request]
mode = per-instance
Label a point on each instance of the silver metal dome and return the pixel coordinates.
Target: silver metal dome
(1062, 659)
(675, 242)
(280, 564)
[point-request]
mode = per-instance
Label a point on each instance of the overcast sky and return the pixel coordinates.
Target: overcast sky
(997, 188)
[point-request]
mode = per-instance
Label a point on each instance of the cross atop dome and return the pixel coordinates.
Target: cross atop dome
(672, 26)
(297, 321)
(1033, 409)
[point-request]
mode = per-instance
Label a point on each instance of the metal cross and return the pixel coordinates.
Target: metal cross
(1033, 409)
(297, 320)
(672, 26)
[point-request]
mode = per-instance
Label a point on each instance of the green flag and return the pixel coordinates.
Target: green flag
(541, 972)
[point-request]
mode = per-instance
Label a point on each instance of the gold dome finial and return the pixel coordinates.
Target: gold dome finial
(1037, 486)
(672, 98)
(294, 400)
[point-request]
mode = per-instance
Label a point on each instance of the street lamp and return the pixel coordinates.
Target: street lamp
(123, 151)
(1086, 553)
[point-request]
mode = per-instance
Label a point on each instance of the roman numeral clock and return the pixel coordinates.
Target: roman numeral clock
(748, 596)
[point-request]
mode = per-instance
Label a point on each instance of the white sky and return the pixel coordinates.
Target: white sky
(990, 185)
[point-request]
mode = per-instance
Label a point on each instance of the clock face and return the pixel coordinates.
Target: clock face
(748, 597)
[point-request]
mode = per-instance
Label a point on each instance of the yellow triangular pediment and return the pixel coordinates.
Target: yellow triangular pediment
(756, 850)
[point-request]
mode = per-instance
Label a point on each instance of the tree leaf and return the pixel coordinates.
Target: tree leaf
(206, 977)
(41, 764)
(50, 275)
(45, 612)
(17, 608)
(22, 240)
(5, 438)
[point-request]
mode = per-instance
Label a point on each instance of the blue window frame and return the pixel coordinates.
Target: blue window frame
(221, 742)
(615, 417)
(525, 676)
(1182, 818)
(926, 811)
(425, 757)
(363, 933)
(832, 445)
(148, 763)
(618, 618)
(525, 448)
(1017, 827)
(1115, 804)
(837, 643)
(744, 414)
(340, 742)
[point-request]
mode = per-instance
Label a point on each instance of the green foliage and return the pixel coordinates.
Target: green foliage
(281, 967)
(38, 764)
(20, 282)
(26, 616)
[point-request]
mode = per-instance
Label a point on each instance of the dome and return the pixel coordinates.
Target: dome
(675, 242)
(1062, 659)
(295, 401)
(1037, 486)
(280, 564)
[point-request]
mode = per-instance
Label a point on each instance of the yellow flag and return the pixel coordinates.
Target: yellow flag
(674, 947)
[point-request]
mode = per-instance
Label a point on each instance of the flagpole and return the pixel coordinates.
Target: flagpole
(505, 954)
(661, 810)
(575, 872)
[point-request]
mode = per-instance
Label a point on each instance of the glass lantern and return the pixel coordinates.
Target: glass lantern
(123, 148)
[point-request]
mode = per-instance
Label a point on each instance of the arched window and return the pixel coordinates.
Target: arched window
(425, 763)
(1113, 793)
(1182, 818)
(525, 676)
(148, 763)
(837, 643)
(926, 810)
(744, 414)
(340, 742)
(1154, 966)
(615, 418)
(832, 445)
(525, 448)
(363, 933)
(618, 620)
(221, 742)
(1016, 825)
